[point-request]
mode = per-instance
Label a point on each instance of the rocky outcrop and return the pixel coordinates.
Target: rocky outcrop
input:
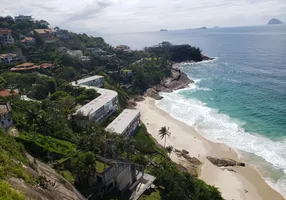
(151, 92)
(224, 162)
(274, 21)
(190, 164)
(178, 80)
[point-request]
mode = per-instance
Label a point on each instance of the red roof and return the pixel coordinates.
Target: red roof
(6, 93)
(24, 68)
(46, 65)
(4, 30)
(27, 39)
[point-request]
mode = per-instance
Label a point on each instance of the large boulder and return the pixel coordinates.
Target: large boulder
(224, 162)
(151, 92)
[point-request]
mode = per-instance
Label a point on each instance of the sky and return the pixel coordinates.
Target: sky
(120, 16)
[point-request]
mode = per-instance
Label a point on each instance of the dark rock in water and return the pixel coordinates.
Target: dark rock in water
(224, 162)
(207, 58)
(274, 21)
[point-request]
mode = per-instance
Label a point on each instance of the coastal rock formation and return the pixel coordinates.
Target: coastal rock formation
(151, 92)
(178, 80)
(224, 162)
(274, 21)
(192, 162)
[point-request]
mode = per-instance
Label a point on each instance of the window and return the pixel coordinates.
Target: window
(2, 122)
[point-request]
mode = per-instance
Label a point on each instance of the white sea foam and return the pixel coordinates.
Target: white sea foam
(220, 127)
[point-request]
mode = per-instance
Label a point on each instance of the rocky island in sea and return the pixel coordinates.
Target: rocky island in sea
(274, 21)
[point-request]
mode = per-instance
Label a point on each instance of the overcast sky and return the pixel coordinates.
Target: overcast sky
(118, 16)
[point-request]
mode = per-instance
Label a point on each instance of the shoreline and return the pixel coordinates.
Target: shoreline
(245, 183)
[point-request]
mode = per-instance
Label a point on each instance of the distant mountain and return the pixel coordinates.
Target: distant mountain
(274, 21)
(162, 30)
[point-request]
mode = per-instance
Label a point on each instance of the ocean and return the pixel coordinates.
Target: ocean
(239, 98)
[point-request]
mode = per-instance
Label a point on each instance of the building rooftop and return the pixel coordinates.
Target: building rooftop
(4, 31)
(46, 65)
(7, 55)
(85, 80)
(91, 107)
(43, 31)
(27, 39)
(4, 108)
(6, 93)
(121, 122)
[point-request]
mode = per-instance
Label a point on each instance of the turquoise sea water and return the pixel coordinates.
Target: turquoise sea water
(239, 98)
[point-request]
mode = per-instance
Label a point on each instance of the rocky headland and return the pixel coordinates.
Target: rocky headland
(178, 80)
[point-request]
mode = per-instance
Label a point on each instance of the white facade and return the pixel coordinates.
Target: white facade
(96, 81)
(5, 115)
(101, 107)
(126, 123)
(75, 53)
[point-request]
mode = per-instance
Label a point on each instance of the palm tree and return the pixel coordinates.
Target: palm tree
(164, 132)
(169, 149)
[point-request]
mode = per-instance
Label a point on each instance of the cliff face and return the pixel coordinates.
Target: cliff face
(274, 21)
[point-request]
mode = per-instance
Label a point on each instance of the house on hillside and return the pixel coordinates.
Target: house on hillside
(48, 35)
(62, 49)
(23, 18)
(6, 37)
(123, 176)
(7, 93)
(28, 42)
(25, 67)
(123, 48)
(101, 107)
(46, 66)
(5, 115)
(126, 123)
(75, 53)
(8, 58)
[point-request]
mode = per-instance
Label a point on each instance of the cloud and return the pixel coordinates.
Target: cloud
(146, 15)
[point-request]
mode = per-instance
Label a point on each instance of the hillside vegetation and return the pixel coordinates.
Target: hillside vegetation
(48, 131)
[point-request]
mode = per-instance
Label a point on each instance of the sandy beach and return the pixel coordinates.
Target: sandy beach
(243, 184)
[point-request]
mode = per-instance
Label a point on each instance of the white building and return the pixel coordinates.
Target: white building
(5, 115)
(126, 123)
(5, 36)
(96, 81)
(75, 53)
(101, 107)
(23, 18)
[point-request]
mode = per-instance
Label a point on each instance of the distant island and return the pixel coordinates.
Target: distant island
(274, 21)
(163, 30)
(201, 28)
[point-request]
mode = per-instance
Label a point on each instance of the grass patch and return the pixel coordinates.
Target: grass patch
(145, 143)
(152, 195)
(8, 193)
(67, 175)
(100, 167)
(40, 145)
(11, 159)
